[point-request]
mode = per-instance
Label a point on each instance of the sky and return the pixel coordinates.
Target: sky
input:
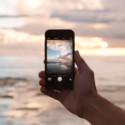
(99, 25)
(59, 50)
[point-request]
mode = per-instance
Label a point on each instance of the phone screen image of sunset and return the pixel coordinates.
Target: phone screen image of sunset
(59, 57)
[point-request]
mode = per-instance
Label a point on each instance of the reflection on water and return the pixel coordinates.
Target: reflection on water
(60, 68)
(109, 70)
(29, 107)
(22, 104)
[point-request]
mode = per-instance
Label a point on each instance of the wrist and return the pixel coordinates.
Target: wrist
(89, 102)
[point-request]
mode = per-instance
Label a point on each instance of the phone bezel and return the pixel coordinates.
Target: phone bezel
(58, 33)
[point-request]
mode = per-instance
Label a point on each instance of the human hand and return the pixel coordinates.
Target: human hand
(84, 86)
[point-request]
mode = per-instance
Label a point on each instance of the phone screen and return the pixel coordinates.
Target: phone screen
(59, 62)
(59, 57)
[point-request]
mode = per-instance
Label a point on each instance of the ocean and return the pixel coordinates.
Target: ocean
(109, 70)
(23, 104)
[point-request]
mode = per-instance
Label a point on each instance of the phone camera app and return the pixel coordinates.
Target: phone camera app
(59, 57)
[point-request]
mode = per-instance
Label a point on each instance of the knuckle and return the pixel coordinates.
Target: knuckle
(90, 72)
(81, 60)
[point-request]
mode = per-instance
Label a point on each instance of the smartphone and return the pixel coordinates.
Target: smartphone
(59, 59)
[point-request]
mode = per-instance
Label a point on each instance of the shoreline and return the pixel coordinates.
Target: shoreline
(22, 99)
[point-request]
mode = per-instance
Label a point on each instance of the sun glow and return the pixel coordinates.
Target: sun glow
(104, 44)
(21, 42)
(14, 42)
(13, 37)
(33, 3)
(91, 42)
(103, 52)
(96, 46)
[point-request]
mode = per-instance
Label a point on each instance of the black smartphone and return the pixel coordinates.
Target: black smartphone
(59, 59)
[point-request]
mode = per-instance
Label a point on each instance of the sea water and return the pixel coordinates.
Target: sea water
(27, 107)
(109, 70)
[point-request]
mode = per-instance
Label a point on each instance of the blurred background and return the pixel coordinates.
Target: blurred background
(99, 26)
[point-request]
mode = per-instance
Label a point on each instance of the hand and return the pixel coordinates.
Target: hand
(84, 86)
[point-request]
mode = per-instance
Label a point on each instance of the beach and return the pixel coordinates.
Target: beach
(21, 102)
(35, 32)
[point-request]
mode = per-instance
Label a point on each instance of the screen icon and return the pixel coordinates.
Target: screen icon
(49, 78)
(70, 79)
(59, 79)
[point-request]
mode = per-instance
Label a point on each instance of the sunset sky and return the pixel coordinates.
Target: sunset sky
(99, 25)
(59, 50)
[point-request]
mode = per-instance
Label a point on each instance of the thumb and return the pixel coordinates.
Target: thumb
(80, 62)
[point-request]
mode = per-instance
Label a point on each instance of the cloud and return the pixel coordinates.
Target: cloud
(109, 30)
(102, 19)
(104, 30)
(83, 18)
(117, 4)
(105, 10)
(113, 30)
(66, 57)
(86, 15)
(20, 16)
(13, 42)
(38, 26)
(20, 42)
(115, 42)
(34, 29)
(13, 16)
(97, 19)
(64, 46)
(47, 6)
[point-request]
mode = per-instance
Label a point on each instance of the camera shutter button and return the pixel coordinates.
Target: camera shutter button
(59, 79)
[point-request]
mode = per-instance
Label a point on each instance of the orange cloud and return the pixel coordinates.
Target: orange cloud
(15, 42)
